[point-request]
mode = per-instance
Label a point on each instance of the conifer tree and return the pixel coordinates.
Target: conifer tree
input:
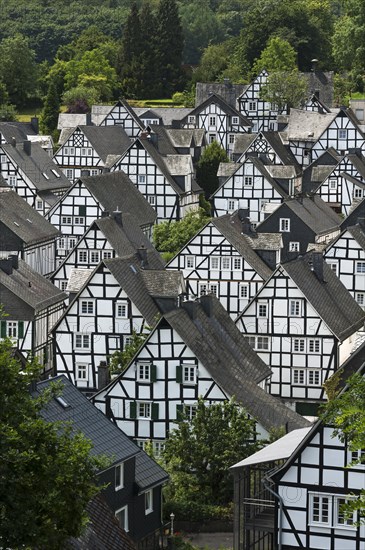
(147, 59)
(51, 109)
(131, 54)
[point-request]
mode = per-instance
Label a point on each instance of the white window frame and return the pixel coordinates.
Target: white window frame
(298, 377)
(152, 199)
(148, 502)
(212, 120)
(295, 308)
(94, 256)
(190, 262)
(252, 105)
(119, 476)
(82, 372)
(66, 220)
(39, 204)
(294, 246)
(87, 306)
(226, 263)
(12, 181)
(12, 329)
(358, 193)
(262, 343)
(333, 265)
(332, 184)
(82, 256)
(360, 267)
(323, 509)
(237, 263)
(121, 309)
(79, 220)
(248, 181)
(284, 225)
(243, 291)
(143, 369)
(191, 119)
(123, 511)
(314, 346)
(235, 120)
(231, 138)
(262, 313)
(360, 298)
(84, 340)
(190, 411)
(215, 263)
(141, 178)
(342, 133)
(189, 373)
(231, 205)
(69, 173)
(298, 345)
(144, 410)
(107, 254)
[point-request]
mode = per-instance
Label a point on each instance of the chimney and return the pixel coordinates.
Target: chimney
(27, 146)
(13, 141)
(143, 135)
(14, 260)
(142, 253)
(191, 309)
(34, 122)
(242, 213)
(103, 375)
(6, 265)
(227, 82)
(207, 304)
(117, 215)
(105, 214)
(317, 265)
(314, 65)
(106, 170)
(88, 119)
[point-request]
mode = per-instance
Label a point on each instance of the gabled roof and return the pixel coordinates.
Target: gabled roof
(39, 168)
(357, 158)
(13, 131)
(230, 226)
(228, 91)
(217, 100)
(160, 138)
(123, 103)
(106, 140)
(168, 114)
(115, 191)
(308, 125)
(23, 220)
(357, 212)
(328, 297)
(186, 137)
(357, 232)
(319, 170)
(314, 99)
(210, 333)
(32, 288)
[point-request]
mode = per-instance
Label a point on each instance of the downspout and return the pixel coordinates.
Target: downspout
(281, 502)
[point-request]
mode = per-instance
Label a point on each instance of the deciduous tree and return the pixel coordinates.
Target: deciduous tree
(207, 167)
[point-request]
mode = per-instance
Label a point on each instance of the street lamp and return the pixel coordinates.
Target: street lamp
(172, 517)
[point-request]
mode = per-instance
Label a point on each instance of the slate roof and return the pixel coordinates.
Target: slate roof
(23, 220)
(106, 140)
(228, 109)
(242, 142)
(102, 531)
(314, 212)
(148, 472)
(315, 174)
(228, 91)
(115, 191)
(308, 125)
(129, 109)
(230, 226)
(226, 169)
(161, 140)
(358, 234)
(41, 170)
(32, 288)
(329, 298)
(168, 114)
(78, 277)
(216, 341)
(186, 137)
(357, 212)
(13, 130)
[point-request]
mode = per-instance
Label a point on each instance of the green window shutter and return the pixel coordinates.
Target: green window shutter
(3, 329)
(82, 210)
(179, 374)
(179, 412)
(153, 373)
(20, 329)
(154, 411)
(133, 409)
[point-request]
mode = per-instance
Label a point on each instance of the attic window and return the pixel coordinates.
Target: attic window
(16, 223)
(62, 402)
(55, 173)
(133, 268)
(28, 220)
(45, 175)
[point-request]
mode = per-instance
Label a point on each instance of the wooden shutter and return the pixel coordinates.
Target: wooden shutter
(179, 412)
(179, 374)
(133, 409)
(154, 415)
(20, 329)
(82, 210)
(3, 329)
(153, 373)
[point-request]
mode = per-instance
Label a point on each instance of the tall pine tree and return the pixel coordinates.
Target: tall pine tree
(169, 48)
(51, 108)
(148, 59)
(131, 55)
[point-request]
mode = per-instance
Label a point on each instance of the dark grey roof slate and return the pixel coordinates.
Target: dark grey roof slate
(358, 160)
(161, 140)
(106, 140)
(12, 130)
(283, 151)
(234, 365)
(115, 191)
(228, 109)
(228, 91)
(38, 167)
(129, 109)
(332, 301)
(32, 288)
(319, 170)
(314, 212)
(358, 234)
(148, 472)
(357, 212)
(23, 220)
(186, 137)
(230, 226)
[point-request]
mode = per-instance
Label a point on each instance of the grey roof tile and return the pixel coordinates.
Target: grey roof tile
(106, 140)
(148, 472)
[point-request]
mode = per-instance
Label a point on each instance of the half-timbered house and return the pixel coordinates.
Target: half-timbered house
(24, 232)
(266, 144)
(188, 142)
(343, 134)
(357, 213)
(290, 494)
(85, 149)
(116, 234)
(118, 299)
(31, 173)
(122, 115)
(251, 187)
(171, 198)
(33, 305)
(90, 198)
(132, 482)
(313, 103)
(194, 351)
(302, 220)
(220, 121)
(346, 257)
(302, 323)
(224, 259)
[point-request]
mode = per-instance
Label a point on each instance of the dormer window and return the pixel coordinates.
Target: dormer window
(191, 119)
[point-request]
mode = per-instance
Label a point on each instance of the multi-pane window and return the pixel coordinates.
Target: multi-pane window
(189, 374)
(332, 184)
(82, 341)
(190, 262)
(314, 377)
(294, 308)
(119, 476)
(94, 256)
(358, 193)
(262, 343)
(211, 138)
(294, 246)
(358, 456)
(328, 511)
(284, 224)
(190, 411)
(231, 138)
(252, 106)
(205, 288)
(122, 310)
(63, 285)
(342, 134)
(212, 121)
(320, 509)
(81, 371)
(191, 119)
(143, 409)
(39, 204)
(243, 290)
(94, 172)
(237, 263)
(152, 199)
(213, 287)
(309, 377)
(226, 262)
(87, 307)
(69, 173)
(214, 262)
(82, 256)
(299, 345)
(79, 220)
(12, 329)
(141, 178)
(107, 254)
(144, 371)
(333, 266)
(314, 345)
(360, 267)
(248, 181)
(122, 518)
(299, 376)
(360, 298)
(12, 181)
(235, 120)
(341, 517)
(262, 310)
(231, 205)
(148, 501)
(66, 220)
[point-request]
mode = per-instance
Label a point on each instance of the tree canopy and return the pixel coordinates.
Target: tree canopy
(207, 167)
(47, 474)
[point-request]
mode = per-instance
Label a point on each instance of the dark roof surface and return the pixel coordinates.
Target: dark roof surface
(314, 212)
(106, 140)
(23, 220)
(115, 191)
(148, 472)
(218, 100)
(357, 212)
(332, 301)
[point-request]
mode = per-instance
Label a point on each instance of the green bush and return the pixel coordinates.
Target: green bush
(188, 510)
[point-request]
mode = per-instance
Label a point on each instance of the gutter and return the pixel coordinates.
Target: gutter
(281, 503)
